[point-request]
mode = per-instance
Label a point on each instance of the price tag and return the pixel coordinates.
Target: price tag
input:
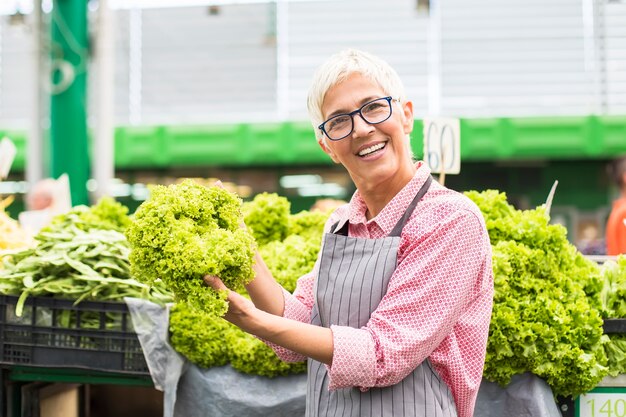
(7, 155)
(602, 402)
(442, 145)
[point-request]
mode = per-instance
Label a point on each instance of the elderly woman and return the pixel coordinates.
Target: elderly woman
(394, 316)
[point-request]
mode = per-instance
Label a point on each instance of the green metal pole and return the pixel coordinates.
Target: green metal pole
(68, 106)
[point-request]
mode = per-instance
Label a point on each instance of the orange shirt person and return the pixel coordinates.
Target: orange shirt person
(616, 224)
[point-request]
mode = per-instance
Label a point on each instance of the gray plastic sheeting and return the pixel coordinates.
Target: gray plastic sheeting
(525, 396)
(151, 323)
(225, 392)
(190, 391)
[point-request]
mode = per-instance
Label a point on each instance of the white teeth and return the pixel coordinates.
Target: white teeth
(371, 149)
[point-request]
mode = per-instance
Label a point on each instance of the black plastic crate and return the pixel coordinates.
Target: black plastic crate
(56, 333)
(614, 326)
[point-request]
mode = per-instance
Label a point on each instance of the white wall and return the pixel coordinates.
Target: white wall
(247, 63)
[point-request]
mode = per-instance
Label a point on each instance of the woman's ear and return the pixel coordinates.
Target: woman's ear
(327, 149)
(408, 122)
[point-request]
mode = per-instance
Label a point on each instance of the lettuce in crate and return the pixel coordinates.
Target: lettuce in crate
(613, 298)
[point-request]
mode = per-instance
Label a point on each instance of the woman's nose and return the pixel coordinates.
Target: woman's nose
(360, 126)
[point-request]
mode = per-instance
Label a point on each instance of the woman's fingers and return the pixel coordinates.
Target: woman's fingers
(217, 284)
(214, 282)
(239, 307)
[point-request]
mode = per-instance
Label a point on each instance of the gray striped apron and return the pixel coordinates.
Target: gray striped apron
(353, 278)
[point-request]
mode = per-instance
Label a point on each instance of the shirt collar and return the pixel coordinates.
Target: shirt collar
(391, 213)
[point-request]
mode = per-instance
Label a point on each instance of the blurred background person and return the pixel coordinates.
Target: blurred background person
(42, 195)
(46, 199)
(591, 242)
(616, 224)
(327, 204)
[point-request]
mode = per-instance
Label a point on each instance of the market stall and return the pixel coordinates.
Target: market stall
(72, 310)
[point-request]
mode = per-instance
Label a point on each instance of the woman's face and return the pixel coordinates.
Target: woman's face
(373, 154)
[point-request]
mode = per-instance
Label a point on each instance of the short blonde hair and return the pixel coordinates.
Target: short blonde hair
(341, 65)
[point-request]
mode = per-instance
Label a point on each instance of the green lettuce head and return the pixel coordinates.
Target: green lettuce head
(186, 231)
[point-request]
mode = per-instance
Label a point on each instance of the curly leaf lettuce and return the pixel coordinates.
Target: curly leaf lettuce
(308, 225)
(545, 317)
(198, 336)
(106, 214)
(267, 215)
(249, 355)
(290, 259)
(208, 340)
(185, 231)
(613, 296)
(205, 338)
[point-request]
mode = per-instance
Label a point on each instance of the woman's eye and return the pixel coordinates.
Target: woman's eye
(338, 122)
(373, 107)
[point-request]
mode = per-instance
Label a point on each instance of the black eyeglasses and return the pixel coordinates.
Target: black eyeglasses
(373, 112)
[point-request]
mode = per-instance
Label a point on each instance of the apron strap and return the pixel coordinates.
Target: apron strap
(343, 231)
(409, 210)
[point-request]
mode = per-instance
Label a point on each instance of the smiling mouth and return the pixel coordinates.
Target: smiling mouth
(372, 149)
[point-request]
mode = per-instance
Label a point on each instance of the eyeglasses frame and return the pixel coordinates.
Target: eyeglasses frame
(358, 111)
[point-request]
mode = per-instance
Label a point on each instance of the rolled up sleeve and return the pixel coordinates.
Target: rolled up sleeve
(354, 358)
(297, 307)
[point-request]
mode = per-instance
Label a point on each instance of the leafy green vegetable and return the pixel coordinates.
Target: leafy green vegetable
(107, 214)
(186, 231)
(290, 259)
(616, 353)
(199, 336)
(613, 294)
(207, 340)
(250, 355)
(543, 320)
(267, 216)
(289, 254)
(295, 255)
(308, 224)
(613, 298)
(81, 255)
(287, 259)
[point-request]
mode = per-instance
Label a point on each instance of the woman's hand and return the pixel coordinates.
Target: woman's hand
(309, 340)
(239, 307)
